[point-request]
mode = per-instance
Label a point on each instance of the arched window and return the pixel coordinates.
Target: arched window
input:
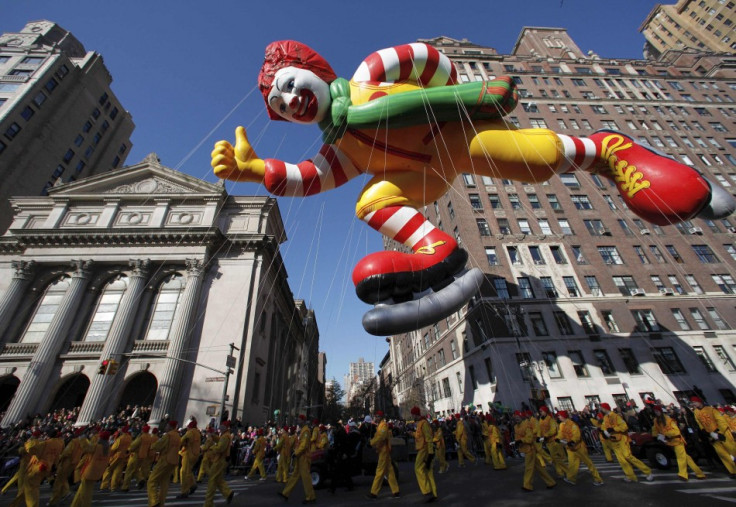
(107, 307)
(45, 311)
(164, 308)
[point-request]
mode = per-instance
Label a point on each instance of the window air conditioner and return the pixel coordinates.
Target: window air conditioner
(696, 230)
(644, 232)
(637, 292)
(667, 292)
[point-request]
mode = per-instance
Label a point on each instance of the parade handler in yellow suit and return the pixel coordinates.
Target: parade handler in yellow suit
(424, 443)
(666, 430)
(220, 455)
(303, 456)
(406, 120)
(616, 430)
(168, 459)
(381, 442)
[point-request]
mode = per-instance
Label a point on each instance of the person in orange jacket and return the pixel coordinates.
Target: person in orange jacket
(220, 455)
(113, 476)
(666, 430)
(42, 466)
(259, 454)
(283, 449)
(548, 434)
(303, 456)
(568, 435)
(423, 442)
(92, 470)
(138, 454)
(525, 432)
(68, 461)
(710, 420)
(616, 430)
(209, 443)
(494, 440)
(381, 442)
(461, 435)
(440, 449)
(168, 449)
(190, 450)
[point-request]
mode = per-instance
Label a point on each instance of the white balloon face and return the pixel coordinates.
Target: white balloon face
(298, 95)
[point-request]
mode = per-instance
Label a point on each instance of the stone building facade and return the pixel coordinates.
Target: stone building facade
(584, 302)
(167, 276)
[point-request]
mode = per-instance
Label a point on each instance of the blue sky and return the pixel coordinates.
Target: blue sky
(186, 70)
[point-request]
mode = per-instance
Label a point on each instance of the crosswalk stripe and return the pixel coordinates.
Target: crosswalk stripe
(705, 491)
(724, 498)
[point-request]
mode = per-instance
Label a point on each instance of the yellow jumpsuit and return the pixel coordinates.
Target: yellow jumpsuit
(301, 469)
(113, 476)
(91, 471)
(148, 461)
(526, 432)
(462, 441)
(423, 441)
(26, 452)
(41, 467)
(440, 450)
(381, 442)
(576, 451)
(259, 453)
(283, 448)
(605, 443)
(67, 462)
(675, 440)
(314, 439)
(168, 459)
(204, 466)
(709, 419)
(495, 443)
(548, 430)
(220, 455)
(190, 448)
(618, 429)
(139, 449)
(542, 455)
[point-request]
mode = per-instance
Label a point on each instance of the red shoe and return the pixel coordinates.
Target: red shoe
(657, 188)
(388, 274)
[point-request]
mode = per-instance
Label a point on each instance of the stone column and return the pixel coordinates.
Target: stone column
(96, 401)
(34, 381)
(24, 271)
(179, 335)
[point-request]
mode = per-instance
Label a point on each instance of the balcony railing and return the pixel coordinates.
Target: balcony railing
(19, 349)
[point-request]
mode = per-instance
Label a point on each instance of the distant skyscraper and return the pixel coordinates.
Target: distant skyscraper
(59, 119)
(704, 25)
(361, 371)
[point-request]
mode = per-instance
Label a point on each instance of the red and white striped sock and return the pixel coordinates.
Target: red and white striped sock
(407, 226)
(579, 153)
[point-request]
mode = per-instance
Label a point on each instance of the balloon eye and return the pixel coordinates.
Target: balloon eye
(290, 85)
(282, 108)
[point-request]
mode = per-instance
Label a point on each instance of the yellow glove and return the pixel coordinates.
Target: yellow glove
(238, 163)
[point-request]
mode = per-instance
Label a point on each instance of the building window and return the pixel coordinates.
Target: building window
(503, 226)
(524, 227)
(563, 323)
(592, 282)
(577, 253)
(553, 368)
(667, 360)
(724, 358)
(489, 370)
(164, 307)
(27, 113)
(604, 362)
(469, 180)
(725, 283)
(645, 321)
(565, 227)
(717, 319)
(536, 255)
(705, 254)
(495, 201)
(693, 283)
(570, 180)
(630, 361)
(107, 307)
(45, 311)
(578, 363)
(534, 201)
(441, 357)
(475, 203)
(12, 131)
(699, 319)
(483, 227)
(610, 321)
(610, 255)
(473, 380)
(704, 358)
(51, 85)
(446, 387)
(524, 361)
(654, 250)
(502, 290)
(538, 324)
(543, 224)
(554, 202)
(525, 287)
(680, 318)
(626, 284)
(491, 256)
(572, 286)
(641, 254)
(453, 349)
(557, 254)
(514, 256)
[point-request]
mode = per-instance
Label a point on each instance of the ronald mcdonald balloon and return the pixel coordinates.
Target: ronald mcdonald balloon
(406, 121)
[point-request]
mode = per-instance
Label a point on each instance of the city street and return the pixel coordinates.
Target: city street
(476, 485)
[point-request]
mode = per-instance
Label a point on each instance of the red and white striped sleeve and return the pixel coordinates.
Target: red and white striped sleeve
(329, 169)
(417, 62)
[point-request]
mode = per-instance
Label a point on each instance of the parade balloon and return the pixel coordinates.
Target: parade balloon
(406, 120)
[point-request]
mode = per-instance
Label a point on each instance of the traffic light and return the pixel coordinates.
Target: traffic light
(102, 370)
(113, 367)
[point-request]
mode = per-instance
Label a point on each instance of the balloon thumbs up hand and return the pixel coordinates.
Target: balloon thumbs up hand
(239, 162)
